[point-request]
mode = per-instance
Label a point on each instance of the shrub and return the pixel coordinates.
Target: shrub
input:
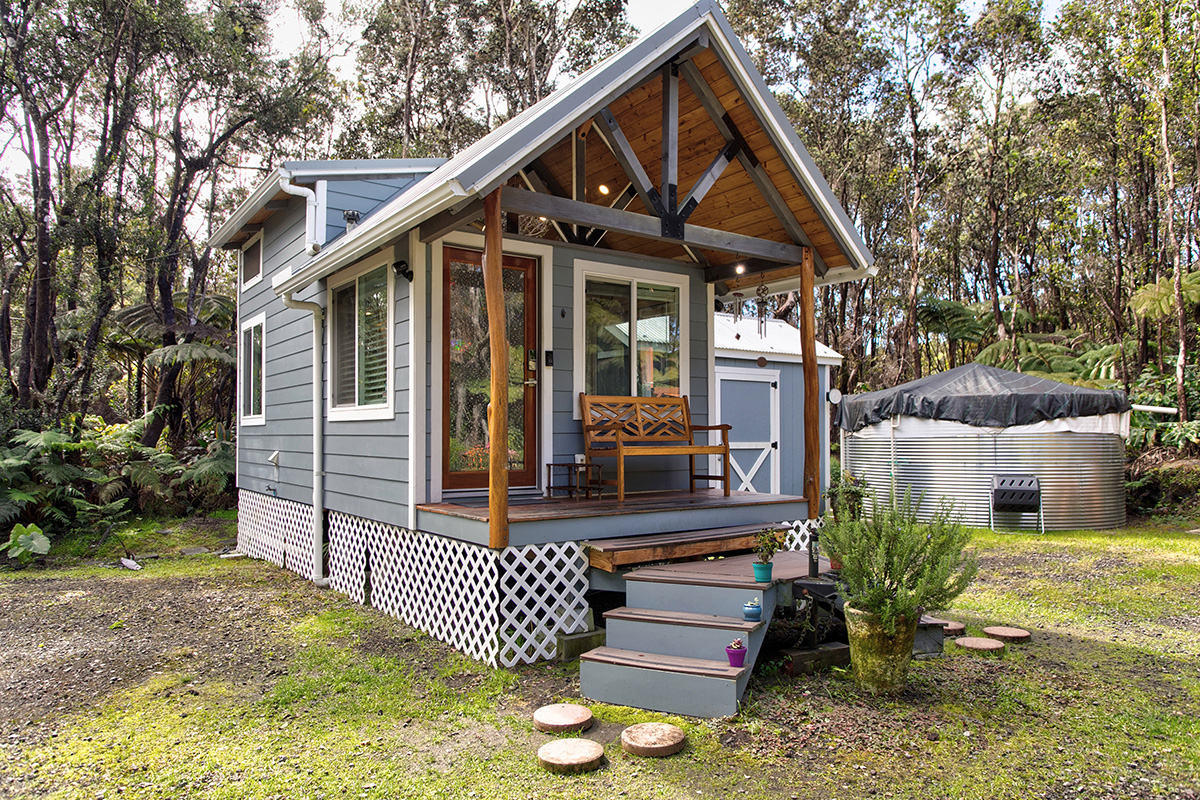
(895, 566)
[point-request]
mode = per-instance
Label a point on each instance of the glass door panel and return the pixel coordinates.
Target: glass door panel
(467, 360)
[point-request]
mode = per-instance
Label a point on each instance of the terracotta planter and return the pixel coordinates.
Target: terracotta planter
(880, 660)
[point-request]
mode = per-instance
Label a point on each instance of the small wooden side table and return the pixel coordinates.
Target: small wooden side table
(578, 477)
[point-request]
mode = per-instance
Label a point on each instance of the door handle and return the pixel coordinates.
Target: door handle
(531, 382)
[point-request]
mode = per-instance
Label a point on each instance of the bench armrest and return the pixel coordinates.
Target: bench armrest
(724, 426)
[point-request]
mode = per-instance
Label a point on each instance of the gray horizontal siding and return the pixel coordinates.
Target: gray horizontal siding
(366, 461)
(288, 378)
(363, 196)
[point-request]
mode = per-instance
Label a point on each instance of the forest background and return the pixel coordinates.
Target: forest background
(1029, 188)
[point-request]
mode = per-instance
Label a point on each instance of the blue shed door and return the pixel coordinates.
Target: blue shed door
(748, 399)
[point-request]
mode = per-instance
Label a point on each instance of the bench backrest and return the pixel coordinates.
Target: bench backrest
(642, 419)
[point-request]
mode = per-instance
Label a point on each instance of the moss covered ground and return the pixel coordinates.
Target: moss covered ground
(233, 679)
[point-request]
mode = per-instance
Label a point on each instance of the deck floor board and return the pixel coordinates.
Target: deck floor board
(644, 503)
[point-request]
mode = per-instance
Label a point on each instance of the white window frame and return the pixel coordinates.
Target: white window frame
(632, 275)
(248, 420)
(385, 410)
(250, 284)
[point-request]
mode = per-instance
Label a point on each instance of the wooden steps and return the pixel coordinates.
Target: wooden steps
(674, 664)
(660, 617)
(665, 648)
(612, 554)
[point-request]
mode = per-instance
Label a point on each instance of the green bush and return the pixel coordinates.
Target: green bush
(896, 566)
(92, 473)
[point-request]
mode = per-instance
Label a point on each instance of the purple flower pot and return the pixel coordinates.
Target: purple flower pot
(737, 658)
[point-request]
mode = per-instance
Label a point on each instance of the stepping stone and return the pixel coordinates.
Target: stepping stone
(1006, 634)
(570, 756)
(562, 717)
(654, 739)
(980, 644)
(952, 628)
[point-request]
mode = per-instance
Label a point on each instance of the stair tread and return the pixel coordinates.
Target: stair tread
(681, 664)
(682, 618)
(734, 572)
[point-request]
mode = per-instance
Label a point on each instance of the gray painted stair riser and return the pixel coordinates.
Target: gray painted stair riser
(719, 600)
(678, 640)
(672, 692)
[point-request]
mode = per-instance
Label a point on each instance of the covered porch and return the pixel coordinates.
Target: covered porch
(538, 520)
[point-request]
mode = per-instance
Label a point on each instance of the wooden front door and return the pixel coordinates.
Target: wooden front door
(466, 373)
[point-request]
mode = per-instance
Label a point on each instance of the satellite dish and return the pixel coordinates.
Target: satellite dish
(834, 396)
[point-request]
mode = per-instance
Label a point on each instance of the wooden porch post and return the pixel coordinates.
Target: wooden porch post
(812, 388)
(493, 289)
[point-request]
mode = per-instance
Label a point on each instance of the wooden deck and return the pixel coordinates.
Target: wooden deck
(538, 520)
(734, 572)
(541, 509)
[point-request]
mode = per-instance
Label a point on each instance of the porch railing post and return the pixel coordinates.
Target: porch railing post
(812, 413)
(493, 288)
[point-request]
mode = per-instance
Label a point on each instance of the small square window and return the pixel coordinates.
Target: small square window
(252, 263)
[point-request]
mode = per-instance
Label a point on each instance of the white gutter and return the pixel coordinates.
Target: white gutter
(318, 441)
(371, 235)
(312, 213)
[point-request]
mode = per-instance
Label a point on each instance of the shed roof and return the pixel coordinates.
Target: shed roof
(702, 40)
(779, 340)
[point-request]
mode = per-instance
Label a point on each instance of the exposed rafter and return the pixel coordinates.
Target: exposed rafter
(646, 227)
(720, 117)
(614, 138)
(450, 220)
(539, 180)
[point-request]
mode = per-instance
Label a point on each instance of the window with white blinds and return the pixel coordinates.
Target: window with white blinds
(360, 342)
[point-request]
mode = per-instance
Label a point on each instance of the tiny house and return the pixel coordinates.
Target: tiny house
(416, 336)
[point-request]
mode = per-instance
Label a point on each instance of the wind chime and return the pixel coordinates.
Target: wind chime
(761, 293)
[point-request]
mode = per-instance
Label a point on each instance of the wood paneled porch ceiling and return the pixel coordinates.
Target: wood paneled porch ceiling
(739, 202)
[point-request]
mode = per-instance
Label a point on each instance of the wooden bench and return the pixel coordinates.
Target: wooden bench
(620, 427)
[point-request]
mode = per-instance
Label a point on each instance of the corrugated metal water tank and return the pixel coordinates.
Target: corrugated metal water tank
(1082, 474)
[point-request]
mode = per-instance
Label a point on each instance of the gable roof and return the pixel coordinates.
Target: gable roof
(495, 158)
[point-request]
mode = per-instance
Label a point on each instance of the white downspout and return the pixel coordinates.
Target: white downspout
(311, 212)
(318, 439)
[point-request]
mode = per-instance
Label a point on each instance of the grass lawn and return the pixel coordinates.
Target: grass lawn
(211, 678)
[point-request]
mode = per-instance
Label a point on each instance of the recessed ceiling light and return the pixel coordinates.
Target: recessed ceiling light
(740, 269)
(603, 188)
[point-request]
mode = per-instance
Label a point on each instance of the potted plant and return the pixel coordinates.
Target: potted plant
(752, 610)
(768, 542)
(893, 568)
(736, 651)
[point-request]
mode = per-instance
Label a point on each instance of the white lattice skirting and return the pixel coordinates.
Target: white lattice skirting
(276, 530)
(503, 607)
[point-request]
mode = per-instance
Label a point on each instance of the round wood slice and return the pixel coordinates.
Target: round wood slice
(980, 645)
(952, 628)
(655, 739)
(1006, 634)
(570, 756)
(562, 717)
